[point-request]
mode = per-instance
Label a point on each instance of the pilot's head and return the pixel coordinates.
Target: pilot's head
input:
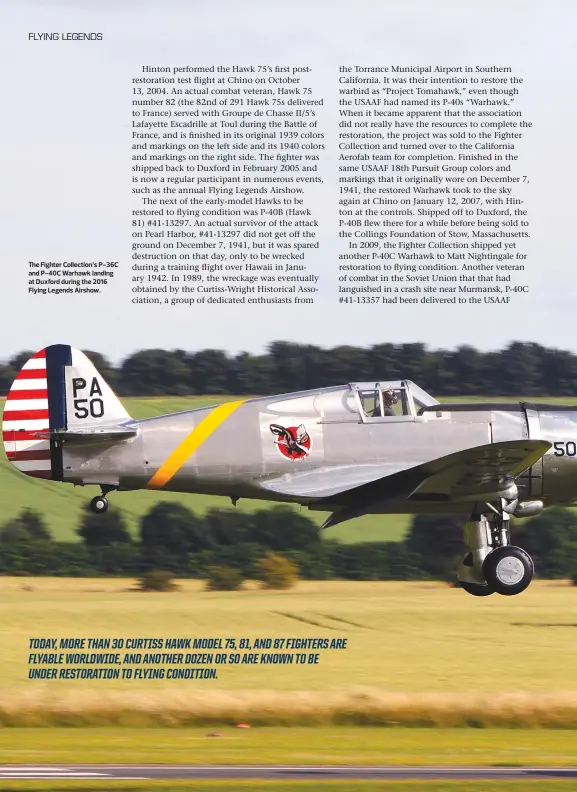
(389, 397)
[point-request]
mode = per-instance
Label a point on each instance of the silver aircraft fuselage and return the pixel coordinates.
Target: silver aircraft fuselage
(232, 450)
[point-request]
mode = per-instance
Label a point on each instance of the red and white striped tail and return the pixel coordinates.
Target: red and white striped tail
(25, 414)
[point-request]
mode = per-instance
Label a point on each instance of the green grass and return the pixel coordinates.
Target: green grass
(291, 746)
(335, 746)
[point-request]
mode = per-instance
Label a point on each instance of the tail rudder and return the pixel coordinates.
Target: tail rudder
(26, 412)
(57, 391)
(90, 401)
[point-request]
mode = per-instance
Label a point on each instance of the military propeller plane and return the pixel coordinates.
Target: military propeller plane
(355, 449)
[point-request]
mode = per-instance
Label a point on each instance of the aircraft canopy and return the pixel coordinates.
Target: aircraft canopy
(374, 402)
(365, 400)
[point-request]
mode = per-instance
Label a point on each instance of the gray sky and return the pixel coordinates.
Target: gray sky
(66, 168)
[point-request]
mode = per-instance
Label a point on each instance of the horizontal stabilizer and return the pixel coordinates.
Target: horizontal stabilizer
(87, 435)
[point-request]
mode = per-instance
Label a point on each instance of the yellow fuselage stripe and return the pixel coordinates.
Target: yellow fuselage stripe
(191, 443)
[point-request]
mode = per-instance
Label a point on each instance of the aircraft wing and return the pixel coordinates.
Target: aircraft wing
(329, 480)
(481, 473)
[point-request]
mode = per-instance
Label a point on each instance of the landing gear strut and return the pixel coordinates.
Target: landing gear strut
(99, 504)
(493, 564)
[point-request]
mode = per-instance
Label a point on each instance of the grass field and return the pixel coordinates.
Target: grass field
(335, 746)
(61, 505)
(404, 637)
(417, 653)
(332, 746)
(493, 748)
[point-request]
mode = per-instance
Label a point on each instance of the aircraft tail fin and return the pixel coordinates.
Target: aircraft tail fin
(57, 394)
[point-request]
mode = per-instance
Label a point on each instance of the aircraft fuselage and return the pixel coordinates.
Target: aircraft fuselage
(240, 456)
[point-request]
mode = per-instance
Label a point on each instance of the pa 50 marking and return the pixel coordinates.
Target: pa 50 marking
(93, 404)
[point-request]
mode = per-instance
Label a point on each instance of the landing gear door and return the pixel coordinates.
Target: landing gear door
(533, 477)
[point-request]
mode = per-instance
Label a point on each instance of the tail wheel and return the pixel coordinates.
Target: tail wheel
(99, 504)
(508, 570)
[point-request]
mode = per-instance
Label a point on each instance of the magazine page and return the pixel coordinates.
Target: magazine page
(289, 391)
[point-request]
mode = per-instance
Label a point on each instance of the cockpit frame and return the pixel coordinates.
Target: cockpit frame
(410, 397)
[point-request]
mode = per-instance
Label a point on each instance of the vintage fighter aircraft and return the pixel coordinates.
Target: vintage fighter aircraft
(362, 448)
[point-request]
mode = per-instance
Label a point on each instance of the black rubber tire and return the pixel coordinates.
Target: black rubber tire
(477, 589)
(99, 504)
(494, 571)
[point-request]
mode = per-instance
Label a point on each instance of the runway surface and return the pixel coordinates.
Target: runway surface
(280, 772)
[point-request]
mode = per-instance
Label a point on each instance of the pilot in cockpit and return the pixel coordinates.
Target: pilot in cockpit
(389, 398)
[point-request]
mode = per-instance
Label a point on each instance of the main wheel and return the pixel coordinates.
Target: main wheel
(477, 589)
(99, 504)
(508, 570)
